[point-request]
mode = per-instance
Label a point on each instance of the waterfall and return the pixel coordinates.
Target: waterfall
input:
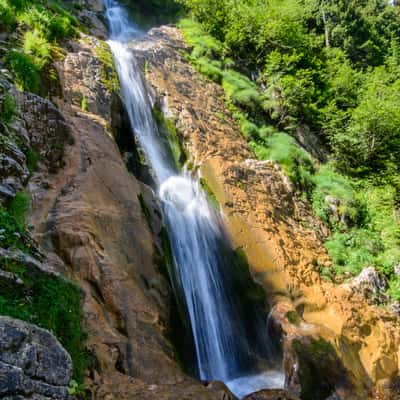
(203, 258)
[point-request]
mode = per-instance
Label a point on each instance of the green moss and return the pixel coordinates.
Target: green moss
(84, 104)
(167, 126)
(293, 318)
(210, 194)
(51, 303)
(145, 210)
(109, 75)
(19, 207)
(11, 232)
(8, 109)
(252, 293)
(319, 368)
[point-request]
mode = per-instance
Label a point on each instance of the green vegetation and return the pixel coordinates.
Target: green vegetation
(84, 104)
(45, 300)
(32, 160)
(168, 128)
(109, 75)
(293, 317)
(19, 207)
(26, 72)
(286, 65)
(43, 24)
(51, 303)
(210, 194)
(8, 109)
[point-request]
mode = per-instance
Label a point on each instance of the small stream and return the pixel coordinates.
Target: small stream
(230, 339)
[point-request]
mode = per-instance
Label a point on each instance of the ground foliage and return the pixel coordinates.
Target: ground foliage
(330, 66)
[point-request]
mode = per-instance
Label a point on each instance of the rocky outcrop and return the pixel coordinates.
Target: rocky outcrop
(275, 228)
(46, 129)
(89, 219)
(33, 364)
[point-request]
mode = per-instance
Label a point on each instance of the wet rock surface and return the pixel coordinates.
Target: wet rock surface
(89, 219)
(33, 364)
(273, 226)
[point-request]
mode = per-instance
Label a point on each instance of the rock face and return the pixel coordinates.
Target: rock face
(47, 130)
(90, 221)
(33, 364)
(275, 228)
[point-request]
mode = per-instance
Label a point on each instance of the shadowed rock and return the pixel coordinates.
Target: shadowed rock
(33, 364)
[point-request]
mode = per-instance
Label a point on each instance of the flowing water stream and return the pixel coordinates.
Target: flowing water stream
(227, 349)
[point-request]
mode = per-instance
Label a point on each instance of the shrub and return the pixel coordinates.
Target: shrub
(25, 71)
(294, 160)
(32, 160)
(7, 16)
(36, 46)
(60, 27)
(330, 183)
(8, 109)
(394, 288)
(10, 231)
(380, 202)
(239, 89)
(209, 68)
(354, 250)
(19, 207)
(204, 45)
(36, 17)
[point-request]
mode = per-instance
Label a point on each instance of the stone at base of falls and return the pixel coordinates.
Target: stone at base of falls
(271, 395)
(33, 364)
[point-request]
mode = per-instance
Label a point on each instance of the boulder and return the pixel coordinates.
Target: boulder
(33, 364)
(370, 284)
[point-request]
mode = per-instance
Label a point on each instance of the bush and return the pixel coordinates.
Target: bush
(353, 251)
(380, 202)
(37, 47)
(11, 231)
(19, 207)
(8, 109)
(209, 68)
(25, 71)
(240, 90)
(32, 160)
(53, 23)
(7, 16)
(295, 161)
(204, 45)
(60, 27)
(329, 183)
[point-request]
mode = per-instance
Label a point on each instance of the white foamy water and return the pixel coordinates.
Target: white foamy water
(201, 252)
(246, 385)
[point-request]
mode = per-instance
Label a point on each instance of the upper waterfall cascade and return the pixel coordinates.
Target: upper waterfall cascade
(203, 257)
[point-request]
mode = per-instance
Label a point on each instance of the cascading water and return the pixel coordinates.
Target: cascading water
(202, 256)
